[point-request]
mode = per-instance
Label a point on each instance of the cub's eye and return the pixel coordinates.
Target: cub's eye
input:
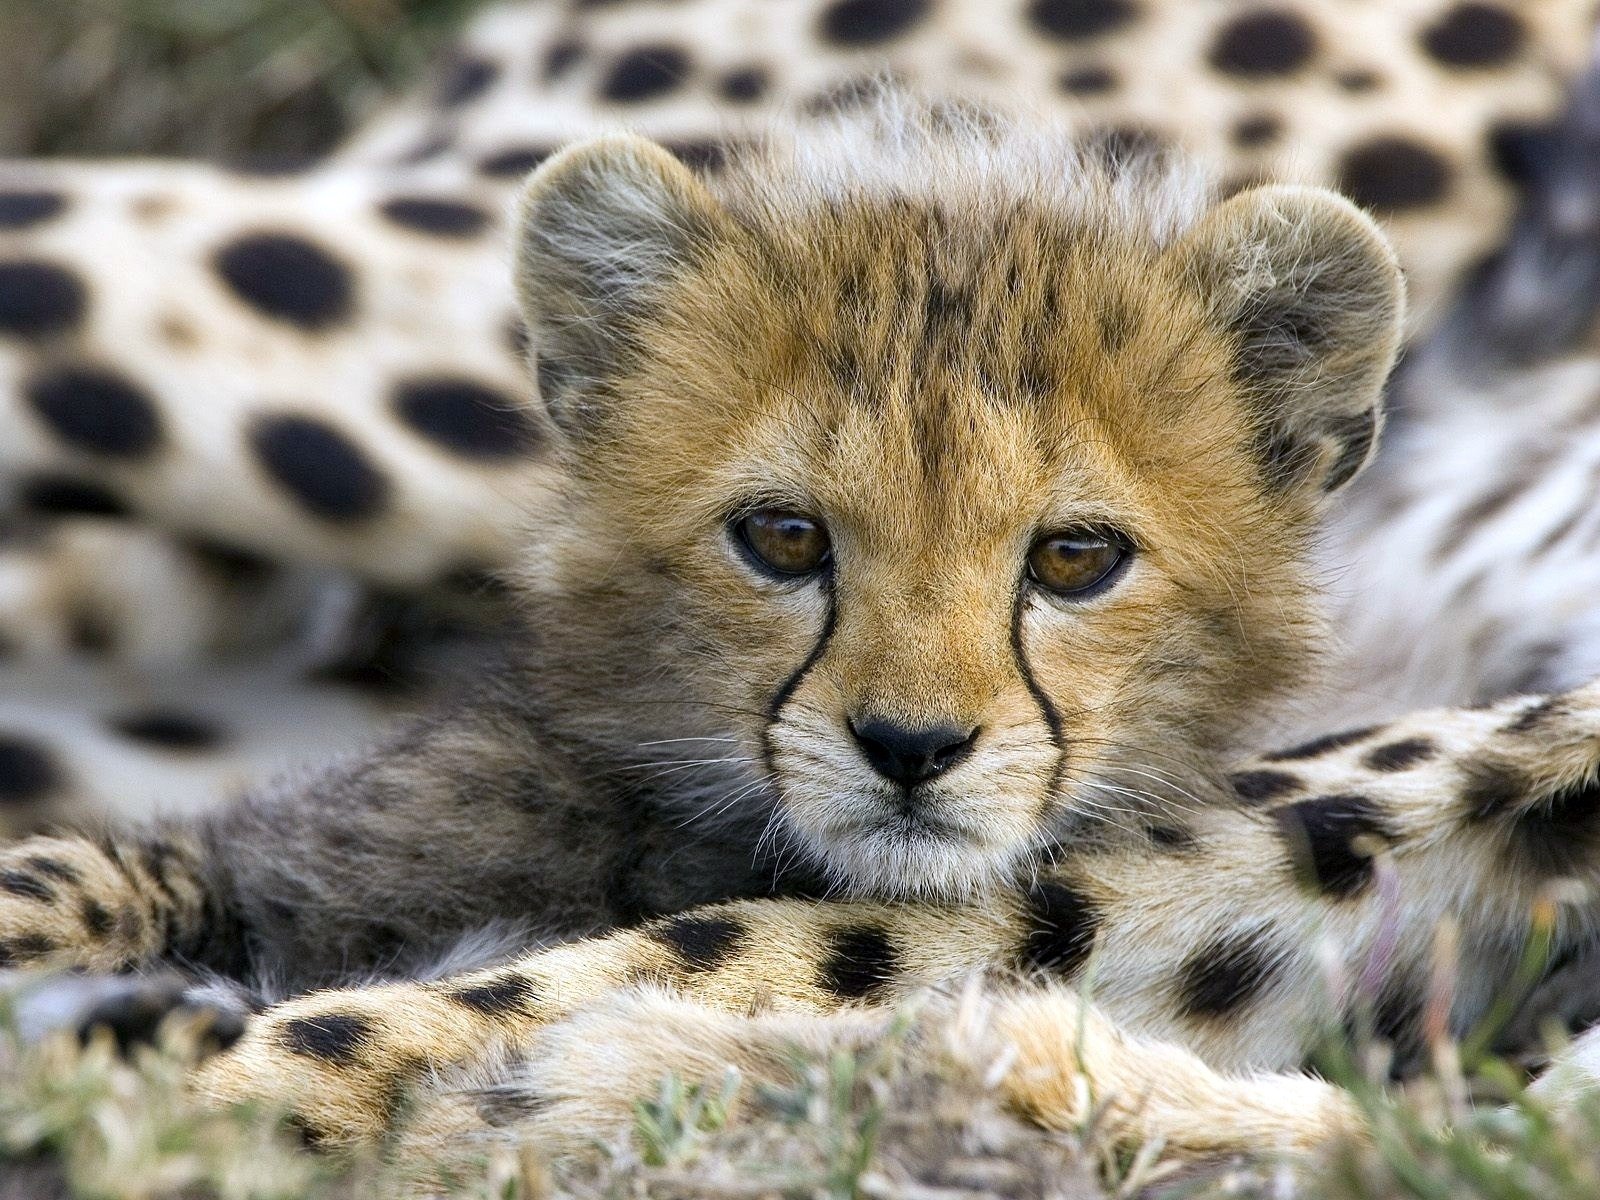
(1074, 564)
(786, 543)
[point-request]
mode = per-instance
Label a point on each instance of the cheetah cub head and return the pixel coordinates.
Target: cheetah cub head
(956, 485)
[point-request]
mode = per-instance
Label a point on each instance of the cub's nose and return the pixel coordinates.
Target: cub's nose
(910, 756)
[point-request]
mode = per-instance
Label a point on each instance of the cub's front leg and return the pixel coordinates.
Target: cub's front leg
(343, 1062)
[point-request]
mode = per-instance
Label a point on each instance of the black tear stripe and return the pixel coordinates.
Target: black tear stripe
(1047, 709)
(787, 689)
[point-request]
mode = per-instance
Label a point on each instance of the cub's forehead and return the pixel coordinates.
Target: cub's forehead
(877, 303)
(964, 348)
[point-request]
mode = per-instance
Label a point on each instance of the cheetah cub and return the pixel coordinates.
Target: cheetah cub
(937, 506)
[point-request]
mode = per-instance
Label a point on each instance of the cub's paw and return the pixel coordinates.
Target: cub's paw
(328, 1059)
(132, 1009)
(64, 903)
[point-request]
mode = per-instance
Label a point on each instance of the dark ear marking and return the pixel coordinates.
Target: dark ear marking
(1311, 294)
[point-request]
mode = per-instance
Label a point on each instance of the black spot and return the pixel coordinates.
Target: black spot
(1523, 151)
(169, 729)
(466, 79)
(96, 919)
(1558, 834)
(429, 214)
(1088, 81)
(334, 1037)
(90, 631)
(1260, 787)
(1392, 174)
(426, 150)
(29, 946)
(860, 963)
(1226, 975)
(1536, 715)
(54, 868)
(1397, 756)
(61, 495)
(701, 942)
(1272, 42)
(1075, 19)
(507, 996)
(468, 418)
(1358, 79)
(38, 299)
(1317, 747)
(866, 22)
(1257, 130)
(20, 209)
(92, 409)
(513, 162)
(1322, 835)
(744, 86)
(1061, 929)
(286, 277)
(561, 58)
(31, 887)
(323, 469)
(232, 565)
(645, 74)
(1474, 35)
(1117, 323)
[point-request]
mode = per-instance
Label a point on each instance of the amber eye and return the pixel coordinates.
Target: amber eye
(1074, 564)
(783, 542)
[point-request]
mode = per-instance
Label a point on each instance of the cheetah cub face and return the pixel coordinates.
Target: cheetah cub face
(969, 481)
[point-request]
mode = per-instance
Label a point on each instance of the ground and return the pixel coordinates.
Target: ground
(102, 1127)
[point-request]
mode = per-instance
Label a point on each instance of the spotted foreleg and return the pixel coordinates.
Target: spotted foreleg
(106, 906)
(344, 1061)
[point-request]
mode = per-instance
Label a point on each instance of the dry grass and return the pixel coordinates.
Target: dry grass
(86, 1123)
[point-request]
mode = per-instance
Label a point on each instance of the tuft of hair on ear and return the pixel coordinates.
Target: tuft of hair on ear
(604, 227)
(1312, 295)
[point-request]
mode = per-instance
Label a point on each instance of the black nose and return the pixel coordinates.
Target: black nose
(911, 756)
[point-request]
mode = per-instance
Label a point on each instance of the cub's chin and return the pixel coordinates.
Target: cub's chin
(907, 856)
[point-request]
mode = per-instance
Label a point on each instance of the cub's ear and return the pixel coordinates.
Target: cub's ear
(1312, 294)
(604, 226)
